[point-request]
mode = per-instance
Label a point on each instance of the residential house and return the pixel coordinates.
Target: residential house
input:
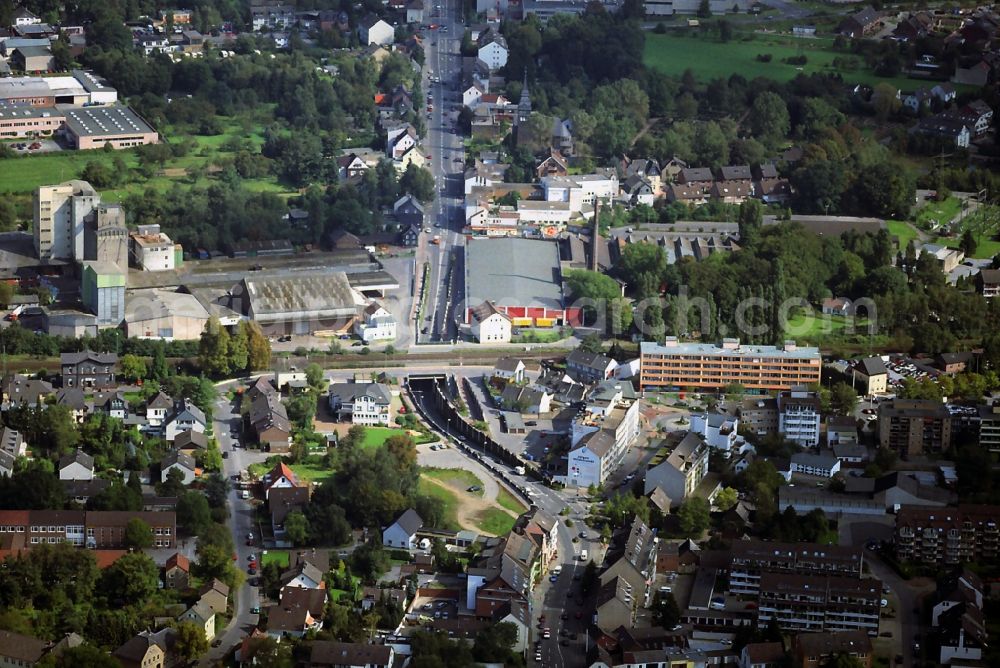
(76, 466)
(190, 441)
(32, 59)
(489, 325)
(870, 376)
(403, 532)
(492, 50)
(281, 502)
(839, 306)
(678, 470)
(215, 594)
(302, 575)
(410, 237)
(296, 614)
(280, 477)
(509, 369)
(185, 416)
(409, 211)
(375, 324)
(112, 404)
(350, 168)
(414, 11)
(373, 30)
(203, 616)
(587, 367)
(553, 165)
(759, 415)
(361, 403)
(841, 430)
(143, 650)
(616, 605)
(814, 650)
(638, 190)
(183, 463)
(177, 572)
(269, 423)
(988, 283)
(524, 399)
(157, 410)
(75, 401)
(860, 23)
(632, 556)
(88, 369)
(6, 463)
(720, 431)
(953, 363)
(19, 390)
(945, 128)
(762, 655)
(612, 410)
(822, 465)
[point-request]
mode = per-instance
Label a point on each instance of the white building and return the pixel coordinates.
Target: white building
(581, 190)
(679, 470)
(603, 433)
(179, 461)
(403, 532)
(823, 466)
(493, 52)
(373, 30)
(375, 324)
(59, 217)
(798, 417)
(490, 325)
(362, 403)
(186, 416)
(152, 250)
(472, 94)
(77, 466)
(509, 369)
(719, 431)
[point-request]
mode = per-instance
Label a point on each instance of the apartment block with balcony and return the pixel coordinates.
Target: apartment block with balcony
(914, 427)
(748, 561)
(602, 432)
(678, 470)
(675, 366)
(989, 428)
(798, 417)
(948, 536)
(816, 603)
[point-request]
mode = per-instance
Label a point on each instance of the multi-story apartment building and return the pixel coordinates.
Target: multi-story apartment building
(989, 427)
(947, 535)
(914, 426)
(760, 415)
(719, 430)
(602, 433)
(815, 603)
(675, 366)
(750, 560)
(94, 529)
(632, 557)
(798, 417)
(814, 650)
(679, 470)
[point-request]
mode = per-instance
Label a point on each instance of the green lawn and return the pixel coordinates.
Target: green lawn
(495, 521)
(455, 477)
(280, 557)
(447, 498)
(376, 436)
(710, 59)
(903, 231)
(311, 472)
(816, 324)
(540, 335)
(985, 225)
(938, 213)
(510, 502)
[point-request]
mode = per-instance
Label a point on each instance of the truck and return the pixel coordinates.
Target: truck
(584, 555)
(436, 240)
(519, 470)
(15, 314)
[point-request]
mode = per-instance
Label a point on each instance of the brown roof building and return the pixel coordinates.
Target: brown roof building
(947, 535)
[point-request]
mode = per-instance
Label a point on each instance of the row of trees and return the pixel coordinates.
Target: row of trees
(221, 354)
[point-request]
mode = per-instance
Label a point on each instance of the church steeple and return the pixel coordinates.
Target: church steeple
(524, 106)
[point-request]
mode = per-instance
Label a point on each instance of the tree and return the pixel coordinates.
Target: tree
(314, 376)
(239, 350)
(843, 399)
(493, 644)
(133, 367)
(138, 534)
(189, 641)
(259, 347)
(694, 516)
(6, 293)
(769, 120)
(726, 498)
(665, 610)
(159, 371)
(213, 349)
(751, 217)
(704, 9)
(844, 660)
(417, 181)
(297, 528)
(133, 577)
(193, 512)
(885, 100)
(968, 243)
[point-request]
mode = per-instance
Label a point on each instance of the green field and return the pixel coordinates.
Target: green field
(903, 231)
(312, 472)
(279, 557)
(495, 521)
(510, 502)
(710, 59)
(816, 325)
(985, 225)
(376, 436)
(447, 498)
(938, 213)
(455, 477)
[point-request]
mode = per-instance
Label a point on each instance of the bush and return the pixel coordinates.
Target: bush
(764, 57)
(796, 60)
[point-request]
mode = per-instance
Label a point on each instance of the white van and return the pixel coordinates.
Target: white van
(246, 494)
(583, 555)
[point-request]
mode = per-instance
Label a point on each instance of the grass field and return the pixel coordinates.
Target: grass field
(938, 213)
(312, 472)
(815, 326)
(985, 225)
(903, 231)
(455, 477)
(447, 498)
(376, 436)
(495, 521)
(710, 59)
(510, 502)
(279, 557)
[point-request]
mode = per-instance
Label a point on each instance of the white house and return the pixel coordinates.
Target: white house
(678, 471)
(184, 417)
(375, 324)
(472, 94)
(490, 325)
(403, 532)
(152, 250)
(823, 466)
(77, 466)
(509, 369)
(177, 460)
(201, 614)
(157, 409)
(362, 403)
(373, 30)
(305, 576)
(280, 477)
(493, 52)
(718, 430)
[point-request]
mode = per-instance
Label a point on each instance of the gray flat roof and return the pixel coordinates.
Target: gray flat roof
(713, 350)
(325, 294)
(514, 272)
(98, 121)
(8, 111)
